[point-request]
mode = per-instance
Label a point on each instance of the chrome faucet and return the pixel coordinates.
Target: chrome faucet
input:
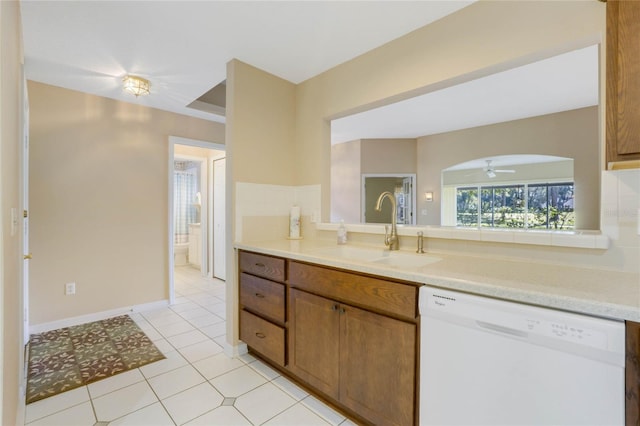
(420, 249)
(390, 240)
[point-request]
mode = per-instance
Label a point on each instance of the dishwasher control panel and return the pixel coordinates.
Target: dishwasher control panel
(522, 321)
(568, 331)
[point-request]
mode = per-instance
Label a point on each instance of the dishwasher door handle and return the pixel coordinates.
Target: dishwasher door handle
(503, 330)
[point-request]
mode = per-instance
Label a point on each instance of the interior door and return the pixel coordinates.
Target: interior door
(219, 257)
(25, 214)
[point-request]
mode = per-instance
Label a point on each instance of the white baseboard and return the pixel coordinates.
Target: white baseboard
(83, 319)
(20, 413)
(235, 350)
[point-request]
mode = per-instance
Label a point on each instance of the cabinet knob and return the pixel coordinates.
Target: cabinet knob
(334, 307)
(342, 311)
(260, 335)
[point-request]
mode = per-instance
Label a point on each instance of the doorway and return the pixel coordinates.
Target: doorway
(401, 186)
(195, 190)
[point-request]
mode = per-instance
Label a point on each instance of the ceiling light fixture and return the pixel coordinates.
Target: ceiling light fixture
(136, 85)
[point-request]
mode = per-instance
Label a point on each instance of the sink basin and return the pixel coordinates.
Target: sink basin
(379, 256)
(349, 252)
(406, 260)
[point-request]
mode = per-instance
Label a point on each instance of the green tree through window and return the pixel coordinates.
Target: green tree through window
(534, 206)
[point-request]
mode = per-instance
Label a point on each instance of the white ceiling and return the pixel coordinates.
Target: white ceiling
(183, 47)
(502, 161)
(560, 83)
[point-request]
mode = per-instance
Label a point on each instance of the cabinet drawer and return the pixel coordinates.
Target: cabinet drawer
(262, 336)
(372, 293)
(264, 266)
(262, 296)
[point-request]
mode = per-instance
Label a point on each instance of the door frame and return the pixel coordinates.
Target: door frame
(25, 209)
(212, 218)
(173, 141)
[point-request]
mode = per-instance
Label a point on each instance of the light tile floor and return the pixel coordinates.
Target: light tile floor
(197, 384)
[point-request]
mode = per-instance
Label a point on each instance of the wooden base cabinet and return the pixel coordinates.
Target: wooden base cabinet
(314, 341)
(364, 360)
(353, 337)
(262, 305)
(377, 366)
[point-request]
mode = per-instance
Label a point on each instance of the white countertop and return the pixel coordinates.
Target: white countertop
(603, 293)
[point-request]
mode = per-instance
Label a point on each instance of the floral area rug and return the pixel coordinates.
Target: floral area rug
(64, 359)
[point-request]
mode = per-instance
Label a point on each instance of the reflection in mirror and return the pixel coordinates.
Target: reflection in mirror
(401, 186)
(351, 161)
(519, 191)
(546, 108)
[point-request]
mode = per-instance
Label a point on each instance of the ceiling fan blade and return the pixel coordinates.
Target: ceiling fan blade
(504, 171)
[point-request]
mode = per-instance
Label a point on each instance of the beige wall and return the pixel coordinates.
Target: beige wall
(572, 134)
(11, 117)
(345, 182)
(99, 215)
(389, 156)
(477, 40)
(261, 112)
(261, 125)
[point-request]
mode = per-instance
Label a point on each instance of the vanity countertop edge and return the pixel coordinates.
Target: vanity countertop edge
(597, 292)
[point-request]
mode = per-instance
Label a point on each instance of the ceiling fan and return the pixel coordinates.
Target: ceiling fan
(491, 172)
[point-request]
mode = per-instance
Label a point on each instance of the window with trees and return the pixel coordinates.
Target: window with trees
(530, 206)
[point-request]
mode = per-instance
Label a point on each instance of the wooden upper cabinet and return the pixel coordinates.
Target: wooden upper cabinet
(623, 81)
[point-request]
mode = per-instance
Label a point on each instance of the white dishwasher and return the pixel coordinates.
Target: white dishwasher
(490, 362)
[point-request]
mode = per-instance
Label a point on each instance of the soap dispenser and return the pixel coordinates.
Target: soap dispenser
(342, 233)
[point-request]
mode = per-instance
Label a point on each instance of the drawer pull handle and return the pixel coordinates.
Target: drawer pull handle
(260, 265)
(260, 335)
(261, 296)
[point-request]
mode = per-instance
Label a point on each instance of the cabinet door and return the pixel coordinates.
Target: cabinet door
(314, 340)
(623, 80)
(377, 366)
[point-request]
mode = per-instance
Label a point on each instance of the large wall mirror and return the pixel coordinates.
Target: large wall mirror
(537, 123)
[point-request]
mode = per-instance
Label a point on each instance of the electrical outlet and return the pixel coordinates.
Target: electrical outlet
(69, 289)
